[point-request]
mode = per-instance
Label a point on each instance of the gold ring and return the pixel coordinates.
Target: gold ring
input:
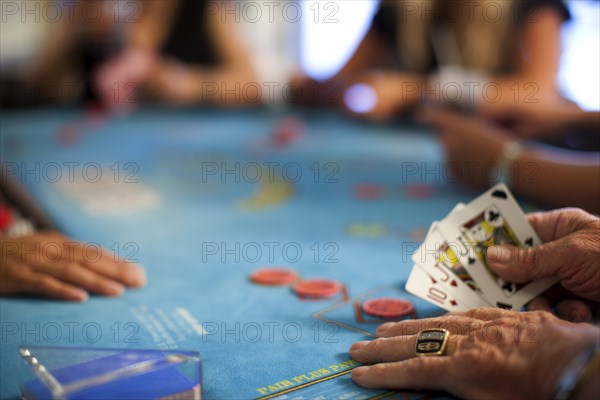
(432, 342)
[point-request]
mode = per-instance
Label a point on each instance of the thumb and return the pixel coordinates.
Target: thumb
(520, 265)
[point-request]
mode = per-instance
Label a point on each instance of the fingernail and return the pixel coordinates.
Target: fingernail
(82, 296)
(498, 254)
(383, 328)
(358, 345)
(137, 277)
(359, 371)
(114, 289)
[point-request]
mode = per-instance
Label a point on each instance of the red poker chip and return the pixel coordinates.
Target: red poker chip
(274, 276)
(368, 191)
(419, 191)
(388, 307)
(287, 131)
(317, 288)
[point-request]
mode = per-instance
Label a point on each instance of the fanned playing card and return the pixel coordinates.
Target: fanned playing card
(451, 269)
(437, 258)
(424, 286)
(494, 218)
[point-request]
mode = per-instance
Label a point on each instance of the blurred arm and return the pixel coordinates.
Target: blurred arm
(220, 84)
(559, 180)
(555, 177)
(367, 56)
(534, 83)
(232, 52)
(587, 121)
(150, 32)
(540, 51)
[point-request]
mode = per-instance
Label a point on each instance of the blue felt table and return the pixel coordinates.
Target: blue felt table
(200, 240)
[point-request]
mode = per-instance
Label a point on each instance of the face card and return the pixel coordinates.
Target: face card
(437, 258)
(494, 218)
(424, 286)
(416, 257)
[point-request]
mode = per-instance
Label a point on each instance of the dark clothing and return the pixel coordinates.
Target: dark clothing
(189, 40)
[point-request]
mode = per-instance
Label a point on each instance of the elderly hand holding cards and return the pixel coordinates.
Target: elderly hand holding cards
(487, 254)
(451, 267)
(570, 252)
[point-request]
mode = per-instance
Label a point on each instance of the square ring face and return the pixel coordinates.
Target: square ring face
(432, 342)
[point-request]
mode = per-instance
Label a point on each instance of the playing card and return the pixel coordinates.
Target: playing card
(427, 257)
(424, 286)
(493, 218)
(436, 257)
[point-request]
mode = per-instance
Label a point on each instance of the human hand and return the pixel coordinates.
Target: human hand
(511, 99)
(534, 123)
(472, 144)
(491, 353)
(570, 252)
(177, 83)
(50, 264)
(121, 78)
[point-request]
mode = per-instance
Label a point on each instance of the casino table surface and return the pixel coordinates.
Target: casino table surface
(202, 199)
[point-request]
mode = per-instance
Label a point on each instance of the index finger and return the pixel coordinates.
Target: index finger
(454, 323)
(414, 373)
(129, 274)
(555, 224)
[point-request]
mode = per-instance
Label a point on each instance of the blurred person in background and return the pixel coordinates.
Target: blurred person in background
(50, 49)
(490, 56)
(120, 53)
(517, 52)
(181, 52)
